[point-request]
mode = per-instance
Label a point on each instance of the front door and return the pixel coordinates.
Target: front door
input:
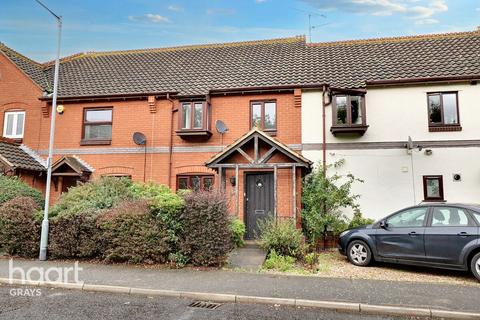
(259, 201)
(403, 235)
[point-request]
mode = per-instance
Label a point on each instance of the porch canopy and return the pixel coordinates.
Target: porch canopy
(258, 151)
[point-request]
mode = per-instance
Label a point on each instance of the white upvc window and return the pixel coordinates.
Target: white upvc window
(14, 124)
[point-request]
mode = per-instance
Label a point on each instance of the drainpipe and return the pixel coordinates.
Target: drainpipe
(170, 143)
(324, 131)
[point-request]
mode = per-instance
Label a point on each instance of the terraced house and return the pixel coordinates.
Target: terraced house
(252, 118)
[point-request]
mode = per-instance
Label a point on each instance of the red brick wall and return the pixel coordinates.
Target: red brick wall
(17, 91)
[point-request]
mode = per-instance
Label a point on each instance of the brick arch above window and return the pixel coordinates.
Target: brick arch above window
(115, 171)
(14, 106)
(192, 169)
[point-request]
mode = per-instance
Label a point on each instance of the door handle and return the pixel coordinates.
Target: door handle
(412, 234)
(462, 234)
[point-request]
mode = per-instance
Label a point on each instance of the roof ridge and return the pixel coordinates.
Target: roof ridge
(3, 45)
(447, 35)
(299, 38)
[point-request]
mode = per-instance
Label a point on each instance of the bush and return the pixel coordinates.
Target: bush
(279, 262)
(358, 220)
(206, 235)
(237, 228)
(163, 203)
(323, 197)
(74, 235)
(12, 187)
(94, 196)
(20, 227)
(131, 233)
(280, 236)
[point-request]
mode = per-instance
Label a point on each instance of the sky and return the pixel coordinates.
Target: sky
(105, 25)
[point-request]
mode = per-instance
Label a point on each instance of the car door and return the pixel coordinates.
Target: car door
(449, 231)
(401, 236)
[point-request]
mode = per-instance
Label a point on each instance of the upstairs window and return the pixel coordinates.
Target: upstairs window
(263, 115)
(193, 116)
(443, 111)
(97, 126)
(348, 113)
(195, 182)
(14, 124)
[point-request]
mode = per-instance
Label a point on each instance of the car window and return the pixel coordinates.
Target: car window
(408, 218)
(476, 215)
(449, 217)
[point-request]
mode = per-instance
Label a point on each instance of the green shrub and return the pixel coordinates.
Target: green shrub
(19, 227)
(75, 235)
(237, 228)
(131, 233)
(94, 196)
(13, 187)
(206, 235)
(324, 195)
(281, 236)
(163, 203)
(358, 220)
(278, 262)
(311, 259)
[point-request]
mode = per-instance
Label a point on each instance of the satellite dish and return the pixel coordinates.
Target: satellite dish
(139, 138)
(221, 127)
(410, 145)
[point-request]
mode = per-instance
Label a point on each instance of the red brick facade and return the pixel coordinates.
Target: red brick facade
(153, 117)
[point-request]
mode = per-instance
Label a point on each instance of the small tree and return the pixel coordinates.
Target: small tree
(323, 196)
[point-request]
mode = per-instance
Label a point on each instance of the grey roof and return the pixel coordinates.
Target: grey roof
(19, 158)
(74, 163)
(36, 71)
(198, 69)
(350, 64)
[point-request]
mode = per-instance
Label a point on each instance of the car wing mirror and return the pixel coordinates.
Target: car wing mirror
(383, 224)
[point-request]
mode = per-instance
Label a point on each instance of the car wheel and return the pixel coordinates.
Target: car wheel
(359, 253)
(475, 266)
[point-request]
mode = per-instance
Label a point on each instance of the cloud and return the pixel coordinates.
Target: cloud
(426, 21)
(175, 8)
(149, 17)
(221, 11)
(260, 1)
(477, 9)
(420, 10)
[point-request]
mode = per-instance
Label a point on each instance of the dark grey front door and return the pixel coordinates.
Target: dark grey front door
(259, 200)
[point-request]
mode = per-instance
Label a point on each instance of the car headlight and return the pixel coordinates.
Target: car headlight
(344, 233)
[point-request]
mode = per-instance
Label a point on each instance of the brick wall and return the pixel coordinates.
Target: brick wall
(151, 117)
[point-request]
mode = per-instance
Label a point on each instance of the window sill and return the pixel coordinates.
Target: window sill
(444, 128)
(349, 129)
(95, 142)
(14, 140)
(194, 133)
(434, 200)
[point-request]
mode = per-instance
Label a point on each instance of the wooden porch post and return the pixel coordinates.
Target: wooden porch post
(236, 191)
(294, 193)
(275, 191)
(220, 177)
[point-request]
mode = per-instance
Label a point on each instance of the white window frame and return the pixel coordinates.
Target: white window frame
(14, 125)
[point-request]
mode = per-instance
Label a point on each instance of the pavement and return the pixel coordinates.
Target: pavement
(75, 305)
(250, 257)
(372, 292)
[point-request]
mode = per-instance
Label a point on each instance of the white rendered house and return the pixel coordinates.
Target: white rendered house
(369, 125)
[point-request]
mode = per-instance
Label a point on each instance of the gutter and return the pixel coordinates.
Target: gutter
(423, 80)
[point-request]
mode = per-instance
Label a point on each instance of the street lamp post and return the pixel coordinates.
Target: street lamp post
(44, 236)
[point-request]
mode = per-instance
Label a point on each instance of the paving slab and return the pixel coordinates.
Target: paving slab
(248, 258)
